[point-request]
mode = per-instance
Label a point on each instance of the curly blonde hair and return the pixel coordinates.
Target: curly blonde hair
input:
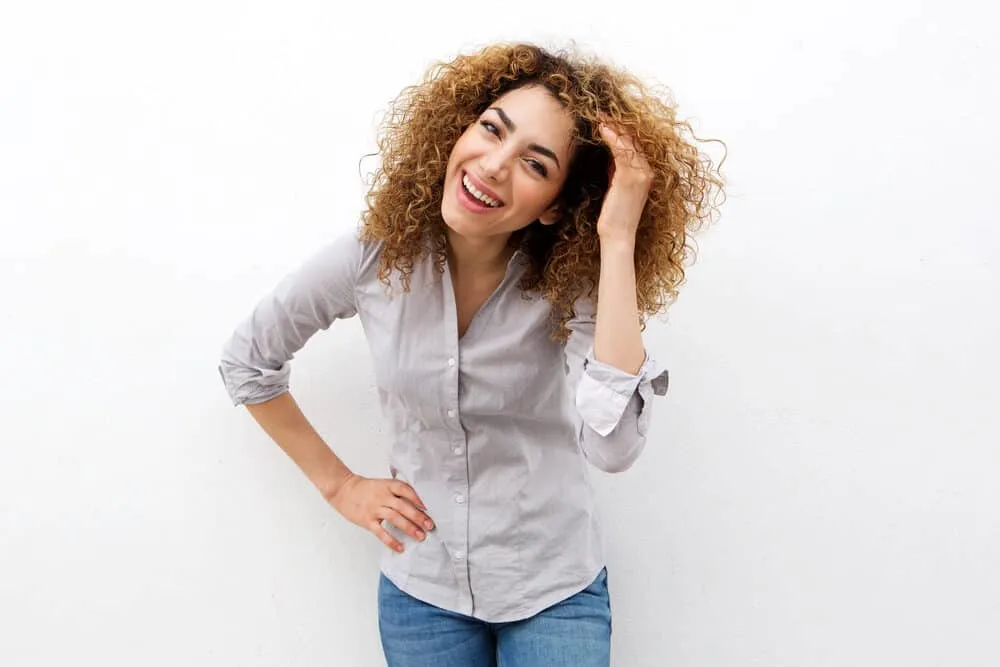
(426, 120)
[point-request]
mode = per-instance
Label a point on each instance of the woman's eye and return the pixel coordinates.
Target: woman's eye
(539, 167)
(490, 127)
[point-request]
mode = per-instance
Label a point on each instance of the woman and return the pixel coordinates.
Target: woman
(530, 211)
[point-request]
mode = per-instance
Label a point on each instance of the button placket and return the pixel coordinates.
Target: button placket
(458, 544)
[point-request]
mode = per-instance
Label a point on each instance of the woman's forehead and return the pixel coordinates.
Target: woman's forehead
(533, 111)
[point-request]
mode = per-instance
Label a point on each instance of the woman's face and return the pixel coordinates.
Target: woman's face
(508, 167)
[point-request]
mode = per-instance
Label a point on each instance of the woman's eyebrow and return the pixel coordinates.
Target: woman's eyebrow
(511, 127)
(505, 118)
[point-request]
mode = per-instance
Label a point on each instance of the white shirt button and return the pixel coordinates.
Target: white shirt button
(459, 555)
(451, 413)
(459, 498)
(458, 449)
(451, 361)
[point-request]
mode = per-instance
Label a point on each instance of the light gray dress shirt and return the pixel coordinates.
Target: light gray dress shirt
(493, 429)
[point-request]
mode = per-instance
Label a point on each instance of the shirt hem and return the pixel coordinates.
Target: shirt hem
(520, 614)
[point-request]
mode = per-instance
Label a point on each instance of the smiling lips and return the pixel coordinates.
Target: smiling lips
(476, 196)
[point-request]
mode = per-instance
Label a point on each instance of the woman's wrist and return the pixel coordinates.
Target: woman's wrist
(616, 244)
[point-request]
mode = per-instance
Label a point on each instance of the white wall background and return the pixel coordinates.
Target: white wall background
(820, 489)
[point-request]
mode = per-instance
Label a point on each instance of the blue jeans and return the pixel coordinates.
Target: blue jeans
(575, 632)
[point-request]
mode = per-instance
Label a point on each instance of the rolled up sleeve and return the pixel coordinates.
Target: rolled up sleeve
(615, 407)
(255, 363)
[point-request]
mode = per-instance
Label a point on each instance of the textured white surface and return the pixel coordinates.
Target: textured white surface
(820, 485)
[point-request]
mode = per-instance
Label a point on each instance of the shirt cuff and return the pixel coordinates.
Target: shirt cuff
(247, 385)
(605, 391)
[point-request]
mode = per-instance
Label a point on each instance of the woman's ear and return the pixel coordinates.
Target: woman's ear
(551, 215)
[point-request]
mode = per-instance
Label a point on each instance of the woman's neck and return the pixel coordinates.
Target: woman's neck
(478, 256)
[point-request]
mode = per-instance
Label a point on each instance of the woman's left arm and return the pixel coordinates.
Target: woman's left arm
(618, 338)
(616, 378)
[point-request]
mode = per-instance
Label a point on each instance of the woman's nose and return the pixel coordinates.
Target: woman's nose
(494, 164)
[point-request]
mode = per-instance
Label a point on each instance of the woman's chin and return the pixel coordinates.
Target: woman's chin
(456, 223)
(464, 230)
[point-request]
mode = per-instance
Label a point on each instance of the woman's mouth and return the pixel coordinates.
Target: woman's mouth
(473, 198)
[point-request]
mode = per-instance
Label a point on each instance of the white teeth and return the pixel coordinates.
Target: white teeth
(489, 201)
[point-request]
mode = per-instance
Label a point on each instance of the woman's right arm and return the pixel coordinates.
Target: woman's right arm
(255, 369)
(285, 423)
(362, 501)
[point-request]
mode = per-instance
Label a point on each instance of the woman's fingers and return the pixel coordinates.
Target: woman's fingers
(411, 506)
(368, 502)
(400, 508)
(404, 490)
(407, 509)
(629, 165)
(383, 534)
(401, 522)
